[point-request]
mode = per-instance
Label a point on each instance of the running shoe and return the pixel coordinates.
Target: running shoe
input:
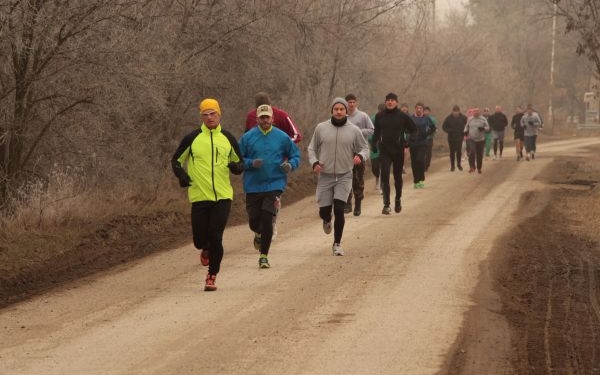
(421, 184)
(204, 260)
(263, 262)
(337, 250)
(397, 206)
(471, 170)
(386, 210)
(532, 155)
(327, 226)
(459, 167)
(479, 171)
(348, 208)
(256, 241)
(210, 286)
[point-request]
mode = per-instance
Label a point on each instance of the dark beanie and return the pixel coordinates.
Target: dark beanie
(391, 96)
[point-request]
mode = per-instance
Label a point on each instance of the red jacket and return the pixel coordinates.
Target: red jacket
(281, 120)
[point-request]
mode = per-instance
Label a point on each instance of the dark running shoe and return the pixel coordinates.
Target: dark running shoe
(386, 210)
(397, 206)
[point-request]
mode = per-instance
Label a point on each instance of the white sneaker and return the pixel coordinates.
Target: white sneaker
(337, 249)
(326, 227)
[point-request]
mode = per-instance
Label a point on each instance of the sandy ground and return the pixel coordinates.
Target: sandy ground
(395, 304)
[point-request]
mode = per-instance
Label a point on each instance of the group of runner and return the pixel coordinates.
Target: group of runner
(338, 150)
(480, 131)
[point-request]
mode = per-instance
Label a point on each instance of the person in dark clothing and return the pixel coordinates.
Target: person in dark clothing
(454, 125)
(390, 127)
(498, 122)
(429, 149)
(519, 132)
(418, 144)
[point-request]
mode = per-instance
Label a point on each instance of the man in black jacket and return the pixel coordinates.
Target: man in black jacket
(454, 125)
(498, 122)
(519, 132)
(391, 125)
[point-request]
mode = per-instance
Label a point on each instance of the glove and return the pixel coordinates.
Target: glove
(235, 168)
(184, 180)
(481, 128)
(285, 166)
(530, 122)
(257, 163)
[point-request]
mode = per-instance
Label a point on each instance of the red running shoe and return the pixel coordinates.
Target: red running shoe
(471, 170)
(210, 283)
(204, 260)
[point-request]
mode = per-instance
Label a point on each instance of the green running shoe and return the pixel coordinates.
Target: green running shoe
(263, 261)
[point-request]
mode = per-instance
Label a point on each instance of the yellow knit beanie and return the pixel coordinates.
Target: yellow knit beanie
(210, 104)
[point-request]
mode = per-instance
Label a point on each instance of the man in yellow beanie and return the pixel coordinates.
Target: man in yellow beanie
(208, 153)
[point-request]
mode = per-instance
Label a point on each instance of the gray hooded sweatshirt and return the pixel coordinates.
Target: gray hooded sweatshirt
(474, 128)
(335, 147)
(531, 123)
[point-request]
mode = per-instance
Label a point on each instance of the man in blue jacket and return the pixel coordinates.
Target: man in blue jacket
(270, 155)
(418, 144)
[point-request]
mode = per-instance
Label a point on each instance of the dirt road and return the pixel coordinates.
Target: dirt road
(393, 305)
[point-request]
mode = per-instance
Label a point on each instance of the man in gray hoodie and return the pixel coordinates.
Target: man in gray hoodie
(335, 148)
(363, 121)
(531, 122)
(476, 128)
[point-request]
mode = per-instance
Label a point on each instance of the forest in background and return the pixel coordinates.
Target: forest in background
(95, 95)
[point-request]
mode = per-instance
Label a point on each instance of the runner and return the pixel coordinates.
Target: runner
(363, 121)
(374, 154)
(488, 134)
(269, 155)
(519, 132)
(498, 122)
(281, 120)
(475, 129)
(404, 108)
(531, 122)
(209, 154)
(418, 144)
(335, 148)
(391, 125)
(429, 148)
(454, 125)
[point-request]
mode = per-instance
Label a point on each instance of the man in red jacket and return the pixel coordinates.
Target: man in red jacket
(281, 119)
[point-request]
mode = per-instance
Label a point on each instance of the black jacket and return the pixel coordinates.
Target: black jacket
(498, 121)
(390, 129)
(516, 125)
(455, 126)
